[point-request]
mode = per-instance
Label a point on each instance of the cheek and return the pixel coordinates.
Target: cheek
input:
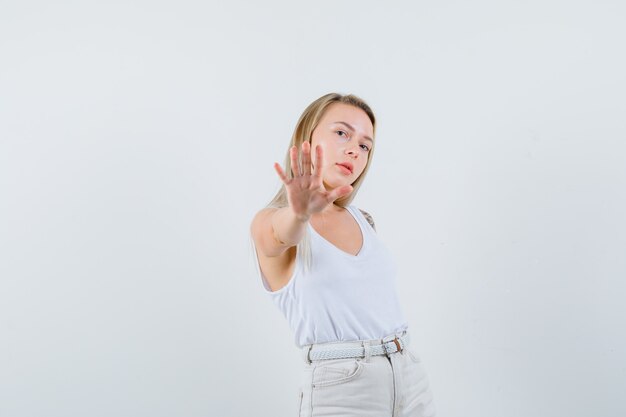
(318, 142)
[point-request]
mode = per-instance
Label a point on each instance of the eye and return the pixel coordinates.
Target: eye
(342, 133)
(366, 147)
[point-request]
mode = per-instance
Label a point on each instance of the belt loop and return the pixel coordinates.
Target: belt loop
(384, 345)
(367, 352)
(306, 351)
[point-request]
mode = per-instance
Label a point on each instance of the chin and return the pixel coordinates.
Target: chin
(333, 185)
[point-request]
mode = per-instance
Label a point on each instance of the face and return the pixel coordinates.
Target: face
(345, 134)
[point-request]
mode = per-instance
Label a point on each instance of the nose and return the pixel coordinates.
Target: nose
(353, 150)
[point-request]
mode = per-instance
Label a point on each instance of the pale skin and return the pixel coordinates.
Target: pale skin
(343, 135)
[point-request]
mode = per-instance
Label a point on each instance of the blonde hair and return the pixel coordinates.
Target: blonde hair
(307, 123)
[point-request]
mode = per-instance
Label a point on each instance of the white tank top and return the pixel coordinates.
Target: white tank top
(342, 297)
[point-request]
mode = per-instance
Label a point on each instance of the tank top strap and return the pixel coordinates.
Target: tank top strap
(358, 215)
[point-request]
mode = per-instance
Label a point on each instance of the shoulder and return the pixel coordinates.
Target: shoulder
(261, 225)
(261, 217)
(369, 218)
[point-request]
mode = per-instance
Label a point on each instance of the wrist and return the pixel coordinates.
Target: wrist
(303, 219)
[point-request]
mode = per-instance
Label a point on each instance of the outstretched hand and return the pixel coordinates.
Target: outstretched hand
(306, 193)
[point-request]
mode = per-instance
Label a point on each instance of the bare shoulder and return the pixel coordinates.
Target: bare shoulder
(261, 228)
(261, 216)
(369, 218)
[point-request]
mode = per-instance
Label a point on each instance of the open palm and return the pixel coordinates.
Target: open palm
(306, 193)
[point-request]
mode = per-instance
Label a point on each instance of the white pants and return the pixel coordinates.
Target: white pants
(378, 386)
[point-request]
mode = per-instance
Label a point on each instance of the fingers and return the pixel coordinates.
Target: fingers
(306, 158)
(295, 165)
(280, 172)
(319, 157)
(304, 167)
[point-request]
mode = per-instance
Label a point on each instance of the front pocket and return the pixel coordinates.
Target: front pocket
(336, 372)
(300, 404)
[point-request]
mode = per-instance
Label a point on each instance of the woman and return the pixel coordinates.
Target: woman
(323, 265)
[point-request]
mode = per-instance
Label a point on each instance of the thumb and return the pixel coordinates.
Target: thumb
(340, 192)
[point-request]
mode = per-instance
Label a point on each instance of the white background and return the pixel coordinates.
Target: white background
(137, 141)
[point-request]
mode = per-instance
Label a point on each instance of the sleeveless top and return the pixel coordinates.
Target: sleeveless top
(342, 297)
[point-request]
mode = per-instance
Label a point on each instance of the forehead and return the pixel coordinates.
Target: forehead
(354, 116)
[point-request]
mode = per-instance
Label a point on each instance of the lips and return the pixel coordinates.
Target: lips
(347, 165)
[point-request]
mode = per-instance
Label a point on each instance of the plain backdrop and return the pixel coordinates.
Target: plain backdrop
(136, 144)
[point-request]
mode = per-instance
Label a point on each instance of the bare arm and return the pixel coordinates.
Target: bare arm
(276, 230)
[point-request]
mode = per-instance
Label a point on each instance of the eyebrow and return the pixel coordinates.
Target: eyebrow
(352, 129)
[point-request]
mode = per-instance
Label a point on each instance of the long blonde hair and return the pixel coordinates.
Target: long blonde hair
(307, 123)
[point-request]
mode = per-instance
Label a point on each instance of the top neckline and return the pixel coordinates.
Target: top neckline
(363, 235)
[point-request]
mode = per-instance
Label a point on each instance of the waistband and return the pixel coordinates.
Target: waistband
(390, 344)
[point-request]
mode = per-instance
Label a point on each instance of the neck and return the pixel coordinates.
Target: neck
(332, 209)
